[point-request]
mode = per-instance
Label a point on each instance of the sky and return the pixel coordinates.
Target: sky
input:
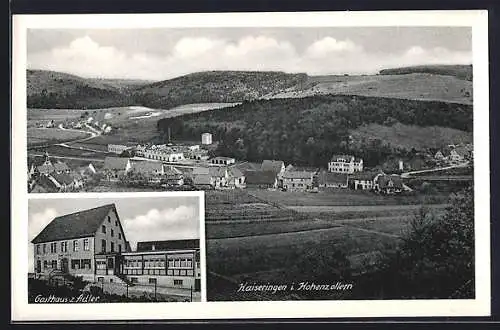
(143, 219)
(165, 53)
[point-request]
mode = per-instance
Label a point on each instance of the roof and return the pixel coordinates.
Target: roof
(260, 177)
(45, 168)
(63, 178)
(35, 161)
(247, 166)
(272, 165)
(147, 166)
(60, 166)
(170, 170)
(462, 151)
(200, 170)
(179, 244)
(235, 172)
(385, 181)
(115, 163)
(330, 177)
(223, 158)
(340, 157)
(217, 171)
(202, 179)
(44, 184)
(79, 224)
(297, 175)
(365, 175)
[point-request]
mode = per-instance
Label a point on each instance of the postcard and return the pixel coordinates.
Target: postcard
(257, 165)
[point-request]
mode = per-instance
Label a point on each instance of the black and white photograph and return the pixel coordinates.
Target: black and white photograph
(343, 158)
(105, 249)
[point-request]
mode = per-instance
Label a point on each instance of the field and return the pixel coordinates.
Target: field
(41, 136)
(261, 237)
(413, 86)
(412, 136)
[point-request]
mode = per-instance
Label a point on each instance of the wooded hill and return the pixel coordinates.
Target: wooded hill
(307, 131)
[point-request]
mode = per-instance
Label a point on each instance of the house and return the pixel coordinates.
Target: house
(114, 167)
(118, 148)
(64, 181)
(236, 178)
(220, 176)
(61, 167)
(297, 180)
(261, 179)
(460, 154)
(276, 166)
(163, 153)
(388, 184)
(223, 161)
(42, 184)
(363, 180)
(206, 138)
(203, 181)
(345, 164)
(152, 171)
(92, 244)
(332, 180)
(173, 176)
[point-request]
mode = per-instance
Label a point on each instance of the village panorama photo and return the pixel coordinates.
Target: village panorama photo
(114, 249)
(337, 163)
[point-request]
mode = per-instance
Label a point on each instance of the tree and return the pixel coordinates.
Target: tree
(436, 256)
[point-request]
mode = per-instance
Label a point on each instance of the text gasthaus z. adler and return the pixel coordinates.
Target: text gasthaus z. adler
(301, 286)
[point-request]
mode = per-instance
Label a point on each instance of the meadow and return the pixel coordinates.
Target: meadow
(42, 136)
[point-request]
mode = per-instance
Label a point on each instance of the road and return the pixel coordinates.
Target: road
(72, 158)
(408, 174)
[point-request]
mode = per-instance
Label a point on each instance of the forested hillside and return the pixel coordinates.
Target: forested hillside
(308, 130)
(459, 71)
(215, 86)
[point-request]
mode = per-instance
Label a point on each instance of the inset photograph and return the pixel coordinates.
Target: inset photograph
(144, 248)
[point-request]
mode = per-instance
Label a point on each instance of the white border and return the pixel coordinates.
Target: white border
(477, 19)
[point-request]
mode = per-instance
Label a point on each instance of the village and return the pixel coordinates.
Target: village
(195, 167)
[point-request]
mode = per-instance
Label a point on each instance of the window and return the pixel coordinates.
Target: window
(112, 233)
(116, 223)
(189, 263)
(119, 235)
(45, 264)
(103, 245)
(176, 272)
(134, 280)
(100, 279)
(103, 229)
(75, 264)
(112, 247)
(86, 245)
(44, 248)
(183, 263)
(152, 281)
(189, 272)
(75, 245)
(177, 282)
(119, 248)
(64, 246)
(85, 264)
(182, 272)
(109, 219)
(38, 249)
(176, 263)
(54, 264)
(170, 272)
(53, 247)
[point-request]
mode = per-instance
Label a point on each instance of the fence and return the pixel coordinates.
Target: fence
(149, 292)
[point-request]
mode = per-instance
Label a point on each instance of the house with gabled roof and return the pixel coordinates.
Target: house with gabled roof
(114, 167)
(236, 178)
(76, 243)
(363, 180)
(332, 180)
(92, 244)
(297, 180)
(388, 184)
(261, 179)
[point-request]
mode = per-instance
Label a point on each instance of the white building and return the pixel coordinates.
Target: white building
(117, 148)
(345, 164)
(206, 138)
(163, 153)
(222, 161)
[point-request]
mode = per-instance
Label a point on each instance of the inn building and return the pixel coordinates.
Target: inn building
(92, 244)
